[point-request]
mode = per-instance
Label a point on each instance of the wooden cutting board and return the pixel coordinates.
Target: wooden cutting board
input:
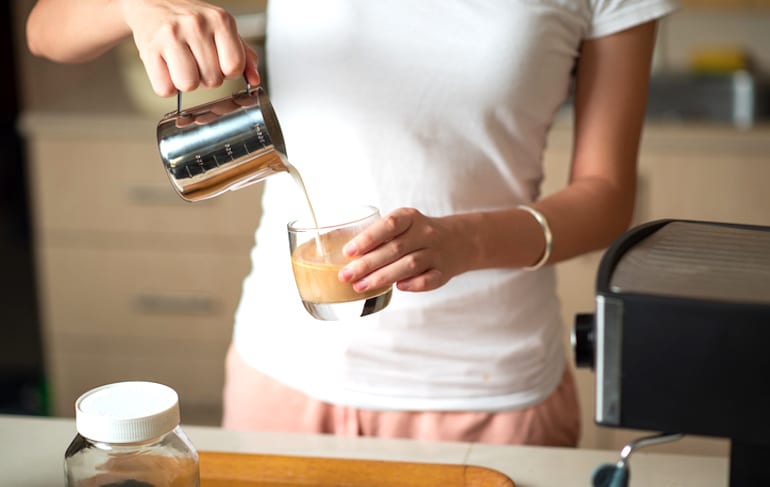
(249, 470)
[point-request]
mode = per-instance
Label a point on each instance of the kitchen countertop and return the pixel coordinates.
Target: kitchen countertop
(32, 452)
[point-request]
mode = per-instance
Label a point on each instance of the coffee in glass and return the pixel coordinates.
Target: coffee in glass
(317, 258)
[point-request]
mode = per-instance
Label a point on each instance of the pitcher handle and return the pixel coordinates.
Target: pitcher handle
(249, 89)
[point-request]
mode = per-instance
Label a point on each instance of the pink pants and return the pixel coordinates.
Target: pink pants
(253, 401)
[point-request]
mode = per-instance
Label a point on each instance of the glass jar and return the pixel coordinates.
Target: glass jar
(129, 436)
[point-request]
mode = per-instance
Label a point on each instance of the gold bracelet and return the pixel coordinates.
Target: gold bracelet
(546, 233)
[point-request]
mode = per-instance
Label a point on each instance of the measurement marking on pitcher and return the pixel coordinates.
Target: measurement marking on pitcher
(261, 136)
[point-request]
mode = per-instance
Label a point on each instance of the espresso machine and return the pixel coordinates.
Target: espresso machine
(680, 340)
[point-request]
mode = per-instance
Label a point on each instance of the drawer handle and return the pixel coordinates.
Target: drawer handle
(185, 305)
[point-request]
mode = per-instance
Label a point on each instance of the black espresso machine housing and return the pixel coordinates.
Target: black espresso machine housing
(680, 338)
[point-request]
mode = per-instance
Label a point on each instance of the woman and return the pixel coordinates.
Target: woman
(437, 113)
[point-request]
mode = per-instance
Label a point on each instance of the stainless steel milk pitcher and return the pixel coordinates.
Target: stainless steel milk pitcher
(222, 145)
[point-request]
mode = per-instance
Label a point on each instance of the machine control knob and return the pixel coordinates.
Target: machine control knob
(583, 342)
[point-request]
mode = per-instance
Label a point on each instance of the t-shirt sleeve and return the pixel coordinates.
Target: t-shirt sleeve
(611, 16)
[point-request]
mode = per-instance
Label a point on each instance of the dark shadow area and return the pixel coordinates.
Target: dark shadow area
(22, 382)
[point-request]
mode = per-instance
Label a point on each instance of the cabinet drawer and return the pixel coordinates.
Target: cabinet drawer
(717, 188)
(118, 184)
(150, 294)
(198, 381)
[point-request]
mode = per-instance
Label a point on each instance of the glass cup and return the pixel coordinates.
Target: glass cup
(316, 259)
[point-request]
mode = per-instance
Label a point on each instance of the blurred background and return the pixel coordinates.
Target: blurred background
(108, 275)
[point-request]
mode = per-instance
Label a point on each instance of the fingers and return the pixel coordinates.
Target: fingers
(229, 47)
(185, 45)
(399, 248)
(384, 230)
(206, 57)
(252, 61)
(427, 281)
(158, 73)
(182, 68)
(413, 272)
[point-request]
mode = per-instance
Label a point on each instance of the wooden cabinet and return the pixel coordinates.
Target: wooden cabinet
(134, 282)
(688, 172)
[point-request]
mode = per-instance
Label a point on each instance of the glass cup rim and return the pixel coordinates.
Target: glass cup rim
(369, 211)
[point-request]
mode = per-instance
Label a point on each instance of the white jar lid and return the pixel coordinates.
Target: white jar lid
(127, 412)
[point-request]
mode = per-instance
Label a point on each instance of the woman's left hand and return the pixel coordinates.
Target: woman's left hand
(412, 250)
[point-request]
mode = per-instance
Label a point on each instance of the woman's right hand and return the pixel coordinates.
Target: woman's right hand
(188, 43)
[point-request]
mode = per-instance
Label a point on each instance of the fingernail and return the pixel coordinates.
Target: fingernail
(345, 274)
(350, 249)
(360, 286)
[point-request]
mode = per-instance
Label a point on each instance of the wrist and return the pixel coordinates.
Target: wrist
(502, 239)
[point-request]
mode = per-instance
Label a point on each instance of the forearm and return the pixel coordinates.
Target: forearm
(583, 217)
(588, 215)
(75, 31)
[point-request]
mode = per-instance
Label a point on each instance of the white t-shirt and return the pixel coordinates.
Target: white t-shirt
(443, 106)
